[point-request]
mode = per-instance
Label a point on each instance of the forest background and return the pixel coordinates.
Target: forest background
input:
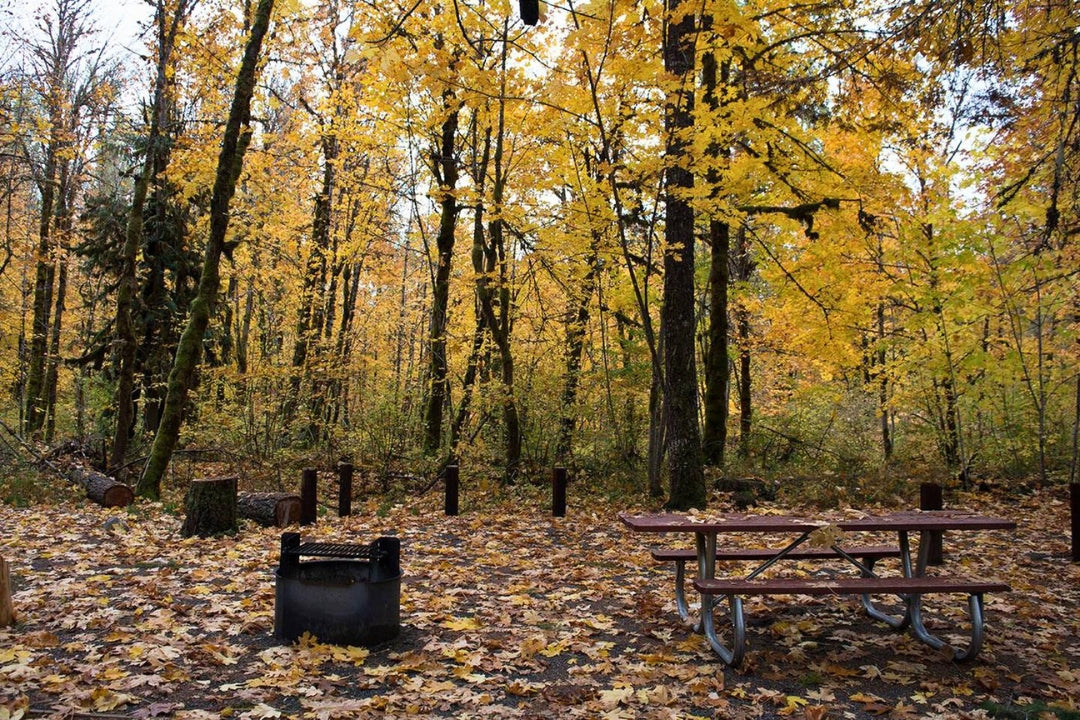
(829, 242)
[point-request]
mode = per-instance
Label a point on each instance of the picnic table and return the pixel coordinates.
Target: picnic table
(812, 538)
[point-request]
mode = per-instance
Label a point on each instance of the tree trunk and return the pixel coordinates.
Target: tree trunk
(309, 324)
(656, 433)
(102, 489)
(52, 366)
(210, 507)
(580, 297)
(269, 509)
(500, 322)
(230, 162)
(446, 174)
(683, 441)
(45, 274)
(883, 385)
(124, 337)
(745, 267)
(714, 437)
(716, 362)
(472, 367)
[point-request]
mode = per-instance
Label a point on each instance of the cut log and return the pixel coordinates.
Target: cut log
(210, 507)
(269, 509)
(7, 612)
(101, 488)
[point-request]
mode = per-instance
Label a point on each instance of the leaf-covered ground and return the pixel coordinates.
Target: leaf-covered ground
(507, 613)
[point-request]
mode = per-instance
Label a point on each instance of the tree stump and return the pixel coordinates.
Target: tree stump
(269, 509)
(210, 507)
(7, 612)
(102, 489)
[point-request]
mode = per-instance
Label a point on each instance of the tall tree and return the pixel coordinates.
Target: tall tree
(714, 79)
(683, 440)
(444, 168)
(230, 163)
(168, 21)
(69, 79)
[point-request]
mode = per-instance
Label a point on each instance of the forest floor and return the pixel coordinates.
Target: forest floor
(506, 613)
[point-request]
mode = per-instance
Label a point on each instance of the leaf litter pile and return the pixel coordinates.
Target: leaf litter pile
(506, 613)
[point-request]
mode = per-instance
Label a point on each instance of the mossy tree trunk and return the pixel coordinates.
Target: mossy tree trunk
(189, 351)
(125, 339)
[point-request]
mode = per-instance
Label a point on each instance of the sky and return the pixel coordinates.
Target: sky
(117, 20)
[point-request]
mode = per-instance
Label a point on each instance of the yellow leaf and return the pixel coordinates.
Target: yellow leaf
(792, 704)
(553, 649)
(468, 623)
(826, 536)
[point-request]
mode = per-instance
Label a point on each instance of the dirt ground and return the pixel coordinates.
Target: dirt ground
(506, 613)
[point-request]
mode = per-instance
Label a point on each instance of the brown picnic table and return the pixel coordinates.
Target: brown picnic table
(822, 539)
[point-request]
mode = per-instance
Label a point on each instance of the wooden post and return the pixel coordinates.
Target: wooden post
(7, 612)
(930, 499)
(558, 492)
(344, 498)
(211, 507)
(308, 496)
(1074, 508)
(450, 477)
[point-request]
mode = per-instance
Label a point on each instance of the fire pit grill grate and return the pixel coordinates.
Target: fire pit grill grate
(338, 550)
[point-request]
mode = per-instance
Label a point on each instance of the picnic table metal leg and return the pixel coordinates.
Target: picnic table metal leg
(872, 610)
(706, 556)
(975, 612)
(867, 570)
(732, 656)
(680, 592)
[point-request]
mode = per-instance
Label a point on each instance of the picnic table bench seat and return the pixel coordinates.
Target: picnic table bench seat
(848, 586)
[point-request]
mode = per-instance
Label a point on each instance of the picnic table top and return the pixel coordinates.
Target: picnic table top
(906, 520)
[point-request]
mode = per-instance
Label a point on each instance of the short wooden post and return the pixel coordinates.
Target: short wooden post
(1074, 509)
(7, 611)
(210, 507)
(450, 478)
(308, 496)
(344, 500)
(558, 492)
(930, 499)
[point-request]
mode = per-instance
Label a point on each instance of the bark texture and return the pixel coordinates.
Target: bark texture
(102, 489)
(269, 509)
(210, 507)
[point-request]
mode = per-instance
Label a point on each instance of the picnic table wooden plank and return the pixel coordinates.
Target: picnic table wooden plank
(914, 521)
